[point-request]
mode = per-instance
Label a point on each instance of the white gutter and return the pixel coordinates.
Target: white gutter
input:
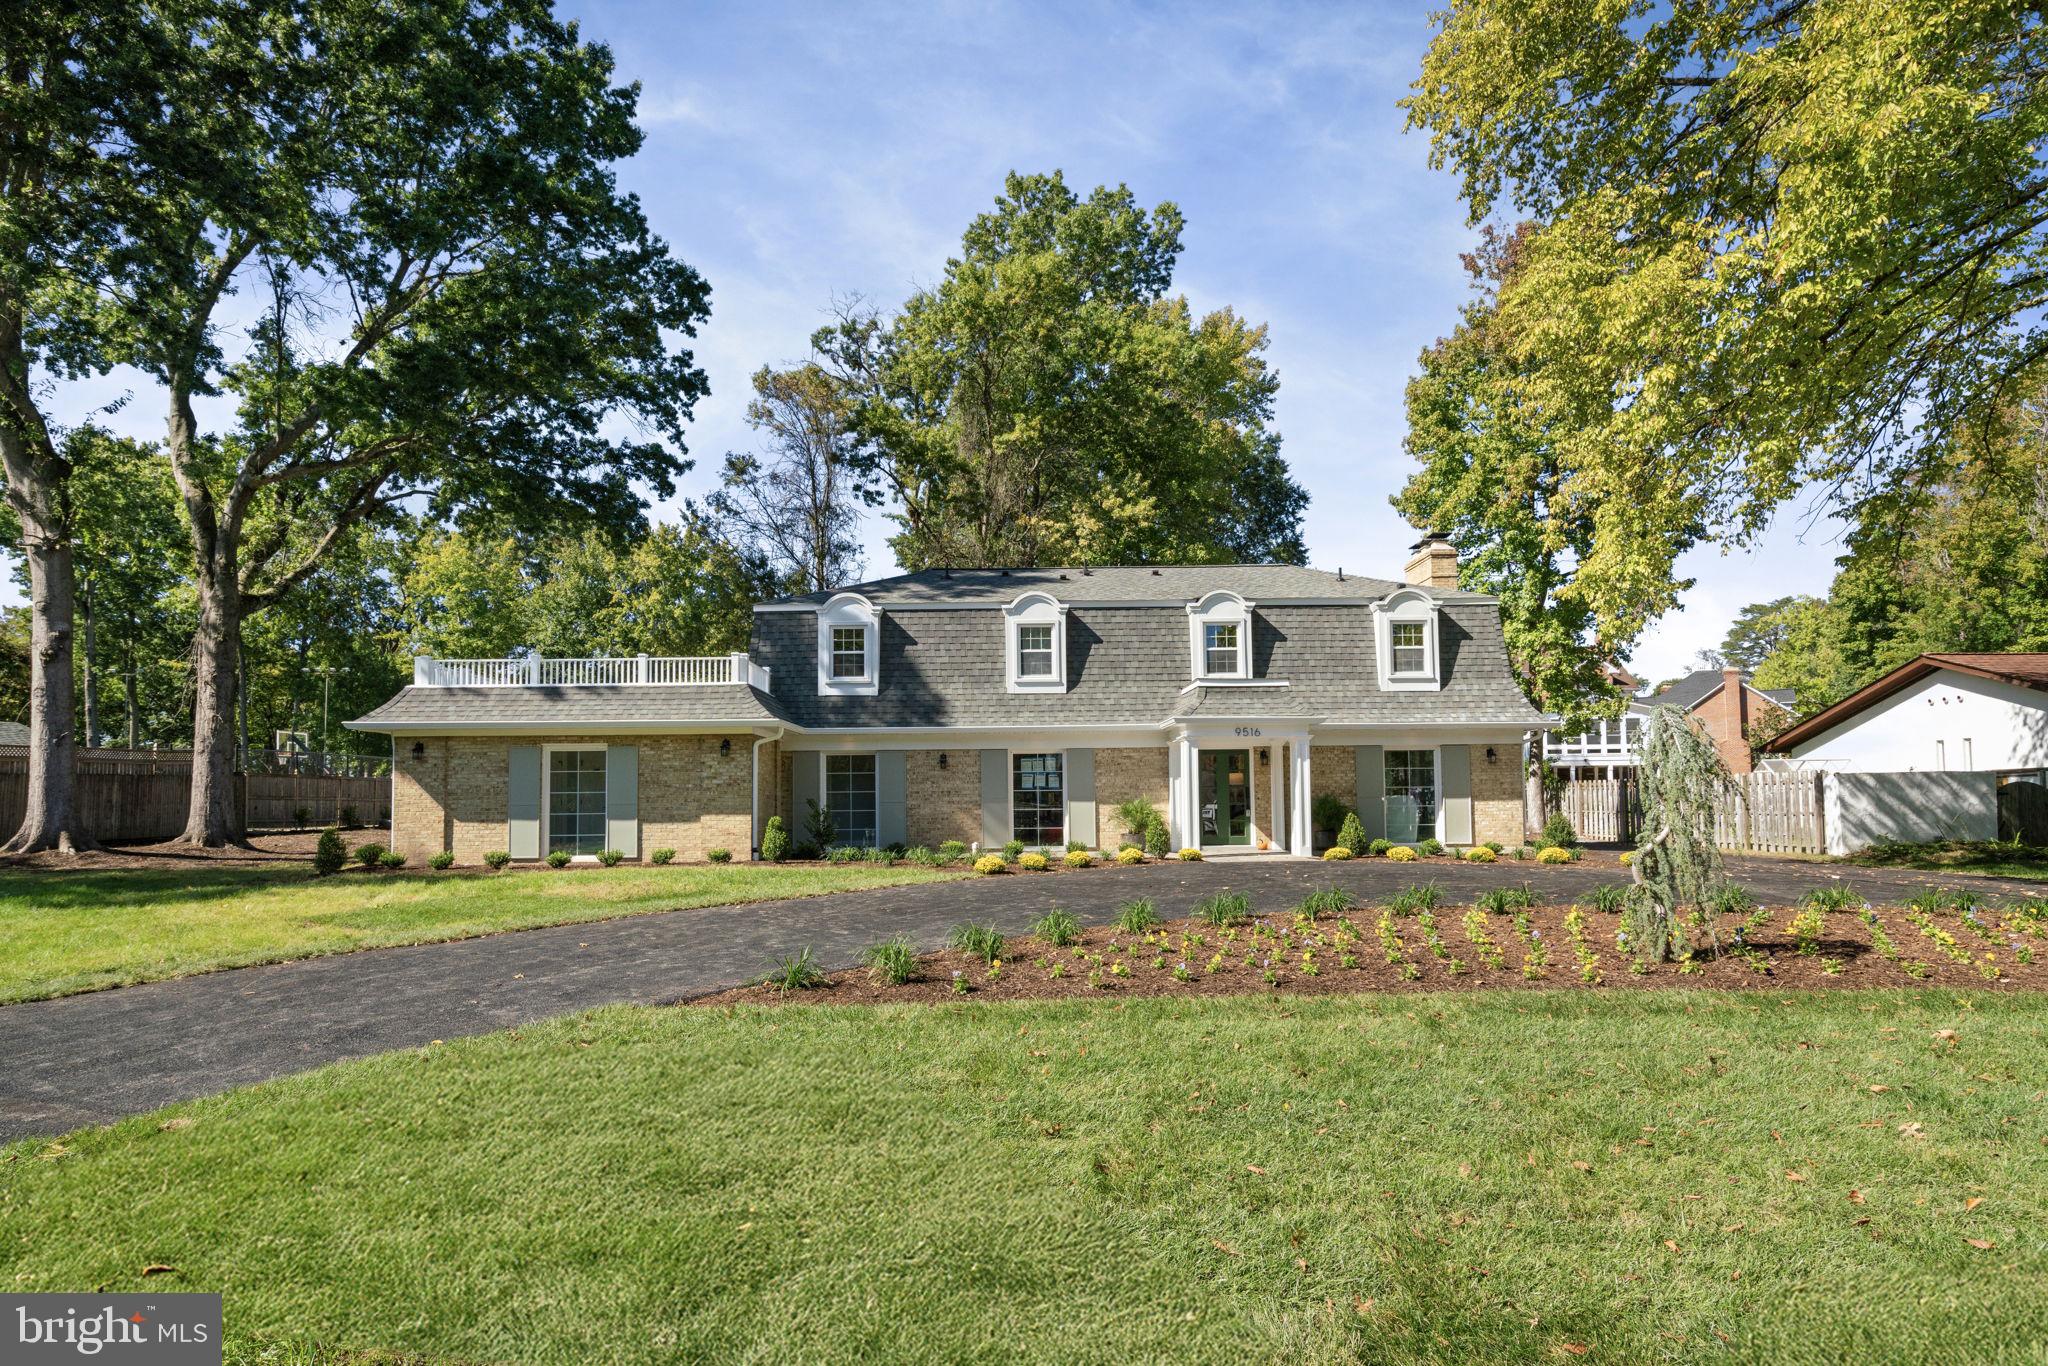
(755, 829)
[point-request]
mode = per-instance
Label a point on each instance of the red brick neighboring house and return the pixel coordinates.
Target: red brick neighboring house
(1728, 705)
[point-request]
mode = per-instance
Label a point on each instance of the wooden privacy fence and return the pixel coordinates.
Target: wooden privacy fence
(1763, 813)
(144, 798)
(1774, 813)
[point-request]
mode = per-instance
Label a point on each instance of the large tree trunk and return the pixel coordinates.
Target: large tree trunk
(134, 703)
(51, 820)
(213, 819)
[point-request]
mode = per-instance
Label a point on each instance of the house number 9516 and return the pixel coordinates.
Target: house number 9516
(1252, 731)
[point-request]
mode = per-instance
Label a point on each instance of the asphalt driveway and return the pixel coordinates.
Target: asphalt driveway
(94, 1058)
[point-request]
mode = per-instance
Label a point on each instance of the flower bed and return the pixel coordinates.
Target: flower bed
(1419, 944)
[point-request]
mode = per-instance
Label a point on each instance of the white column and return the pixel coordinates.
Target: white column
(1273, 766)
(1300, 839)
(1183, 823)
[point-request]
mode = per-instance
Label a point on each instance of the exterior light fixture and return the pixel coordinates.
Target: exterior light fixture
(942, 758)
(419, 750)
(725, 747)
(1490, 755)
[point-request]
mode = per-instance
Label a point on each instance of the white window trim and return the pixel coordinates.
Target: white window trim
(1066, 794)
(846, 610)
(1035, 609)
(1219, 608)
(875, 785)
(1436, 779)
(547, 798)
(1407, 605)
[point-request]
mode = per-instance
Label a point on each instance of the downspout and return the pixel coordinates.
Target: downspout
(755, 828)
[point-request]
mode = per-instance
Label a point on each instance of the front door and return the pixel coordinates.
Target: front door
(1226, 777)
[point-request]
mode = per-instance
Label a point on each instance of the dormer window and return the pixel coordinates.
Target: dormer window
(1405, 630)
(1220, 638)
(1219, 648)
(849, 652)
(1035, 643)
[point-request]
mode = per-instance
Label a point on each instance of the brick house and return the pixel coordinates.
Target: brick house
(1726, 703)
(989, 705)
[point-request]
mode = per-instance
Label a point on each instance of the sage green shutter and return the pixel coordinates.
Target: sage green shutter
(892, 804)
(806, 785)
(622, 799)
(1080, 780)
(1455, 763)
(1372, 791)
(522, 801)
(995, 798)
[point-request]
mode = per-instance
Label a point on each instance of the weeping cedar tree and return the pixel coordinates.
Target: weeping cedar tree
(1677, 862)
(456, 298)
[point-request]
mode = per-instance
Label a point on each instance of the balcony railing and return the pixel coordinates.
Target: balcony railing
(532, 671)
(1612, 744)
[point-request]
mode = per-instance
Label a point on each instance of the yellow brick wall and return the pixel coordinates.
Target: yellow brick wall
(1497, 794)
(1333, 771)
(943, 803)
(692, 798)
(1121, 774)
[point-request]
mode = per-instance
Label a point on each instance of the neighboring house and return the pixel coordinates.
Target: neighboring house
(989, 705)
(13, 733)
(1727, 704)
(1945, 713)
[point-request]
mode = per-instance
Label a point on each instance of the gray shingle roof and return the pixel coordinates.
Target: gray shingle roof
(1172, 584)
(13, 733)
(575, 708)
(1127, 666)
(1693, 689)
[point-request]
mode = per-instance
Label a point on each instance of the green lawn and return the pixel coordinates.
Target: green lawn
(1454, 1178)
(64, 932)
(1986, 858)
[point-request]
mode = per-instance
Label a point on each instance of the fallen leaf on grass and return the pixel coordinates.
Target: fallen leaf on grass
(1859, 1223)
(1255, 1171)
(1224, 1248)
(1984, 1244)
(1879, 1090)
(1577, 1349)
(1972, 1203)
(1855, 1197)
(1670, 1244)
(1582, 1166)
(1795, 1176)
(1912, 1129)
(1364, 1307)
(157, 1269)
(1734, 1228)
(180, 1122)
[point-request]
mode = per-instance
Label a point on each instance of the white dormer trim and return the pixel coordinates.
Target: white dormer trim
(1221, 608)
(1041, 610)
(1406, 607)
(850, 611)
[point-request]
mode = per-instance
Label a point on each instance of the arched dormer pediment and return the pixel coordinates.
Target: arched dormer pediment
(1406, 632)
(1035, 643)
(1219, 636)
(849, 647)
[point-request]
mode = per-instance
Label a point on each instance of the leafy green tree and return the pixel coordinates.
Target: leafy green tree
(1488, 477)
(504, 300)
(1048, 401)
(1784, 245)
(1956, 560)
(1759, 629)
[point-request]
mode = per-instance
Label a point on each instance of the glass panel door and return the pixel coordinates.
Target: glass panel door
(576, 800)
(1226, 796)
(1411, 774)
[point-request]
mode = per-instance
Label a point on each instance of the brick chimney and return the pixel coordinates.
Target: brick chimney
(1434, 562)
(1726, 718)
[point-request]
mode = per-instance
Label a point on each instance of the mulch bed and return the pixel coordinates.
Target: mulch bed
(274, 847)
(1275, 945)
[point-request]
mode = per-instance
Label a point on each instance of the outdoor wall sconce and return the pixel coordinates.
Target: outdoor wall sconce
(942, 758)
(419, 750)
(1490, 755)
(1265, 758)
(725, 748)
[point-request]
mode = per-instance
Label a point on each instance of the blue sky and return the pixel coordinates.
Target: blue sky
(797, 152)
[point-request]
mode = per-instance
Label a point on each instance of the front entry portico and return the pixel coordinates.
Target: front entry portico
(1241, 786)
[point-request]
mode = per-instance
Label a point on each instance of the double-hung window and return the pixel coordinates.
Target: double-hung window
(1034, 651)
(1219, 648)
(850, 798)
(849, 652)
(1410, 646)
(1038, 800)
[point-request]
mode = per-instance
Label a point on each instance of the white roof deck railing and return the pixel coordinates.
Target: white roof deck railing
(533, 671)
(1611, 743)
